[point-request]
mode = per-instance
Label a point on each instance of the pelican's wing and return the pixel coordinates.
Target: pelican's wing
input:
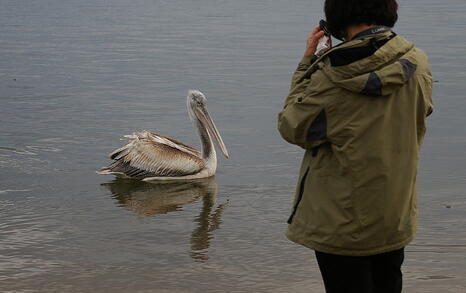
(151, 155)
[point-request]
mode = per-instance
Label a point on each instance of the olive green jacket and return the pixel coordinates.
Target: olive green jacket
(360, 113)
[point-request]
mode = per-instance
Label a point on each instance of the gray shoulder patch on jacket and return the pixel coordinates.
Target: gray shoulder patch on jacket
(408, 67)
(373, 86)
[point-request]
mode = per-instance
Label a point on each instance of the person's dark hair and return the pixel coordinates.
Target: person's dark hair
(342, 13)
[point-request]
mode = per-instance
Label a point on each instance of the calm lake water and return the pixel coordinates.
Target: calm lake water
(77, 75)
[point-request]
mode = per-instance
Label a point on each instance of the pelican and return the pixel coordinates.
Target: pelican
(149, 156)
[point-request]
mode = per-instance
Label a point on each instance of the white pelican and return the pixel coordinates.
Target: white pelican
(149, 156)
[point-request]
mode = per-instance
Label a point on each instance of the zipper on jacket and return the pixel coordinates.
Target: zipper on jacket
(300, 196)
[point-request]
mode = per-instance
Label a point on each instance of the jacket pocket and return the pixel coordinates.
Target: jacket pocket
(300, 195)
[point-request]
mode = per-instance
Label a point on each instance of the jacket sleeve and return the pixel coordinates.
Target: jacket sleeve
(303, 66)
(300, 110)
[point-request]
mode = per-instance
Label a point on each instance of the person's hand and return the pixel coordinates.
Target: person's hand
(312, 41)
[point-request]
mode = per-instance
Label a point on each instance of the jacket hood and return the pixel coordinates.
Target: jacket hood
(376, 65)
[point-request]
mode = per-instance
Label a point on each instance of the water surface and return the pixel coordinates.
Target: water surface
(77, 75)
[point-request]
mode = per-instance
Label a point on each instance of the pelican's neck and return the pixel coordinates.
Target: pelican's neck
(207, 146)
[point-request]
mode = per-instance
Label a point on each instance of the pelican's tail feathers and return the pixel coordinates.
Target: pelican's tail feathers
(124, 169)
(106, 171)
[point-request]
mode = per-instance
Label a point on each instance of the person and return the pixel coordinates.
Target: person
(359, 110)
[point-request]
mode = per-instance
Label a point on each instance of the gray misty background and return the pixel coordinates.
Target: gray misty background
(77, 75)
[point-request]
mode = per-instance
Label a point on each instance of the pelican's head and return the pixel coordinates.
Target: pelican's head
(197, 108)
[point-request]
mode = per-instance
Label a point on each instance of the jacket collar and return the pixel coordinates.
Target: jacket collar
(371, 31)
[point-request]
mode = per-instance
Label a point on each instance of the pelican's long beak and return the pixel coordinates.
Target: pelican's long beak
(212, 129)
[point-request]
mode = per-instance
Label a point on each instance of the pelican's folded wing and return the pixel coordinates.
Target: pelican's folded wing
(150, 155)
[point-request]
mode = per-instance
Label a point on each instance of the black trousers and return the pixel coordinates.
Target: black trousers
(379, 273)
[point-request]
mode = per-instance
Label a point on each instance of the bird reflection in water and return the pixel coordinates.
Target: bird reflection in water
(150, 199)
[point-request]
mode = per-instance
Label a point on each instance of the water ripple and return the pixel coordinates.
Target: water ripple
(13, 190)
